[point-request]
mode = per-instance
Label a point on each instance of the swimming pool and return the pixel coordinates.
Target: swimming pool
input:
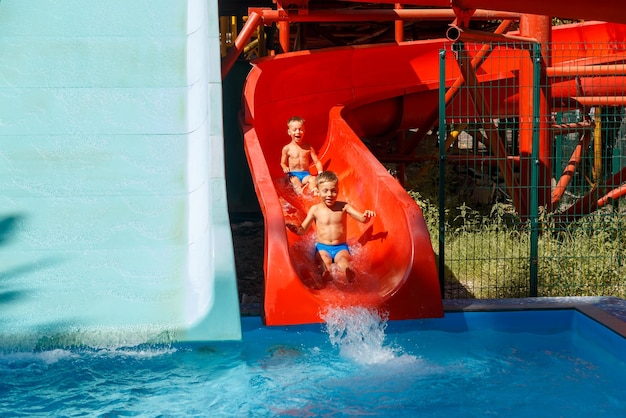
(515, 363)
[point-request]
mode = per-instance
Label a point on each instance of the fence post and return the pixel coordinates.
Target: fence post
(534, 172)
(442, 169)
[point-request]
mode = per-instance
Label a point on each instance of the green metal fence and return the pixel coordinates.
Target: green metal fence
(532, 152)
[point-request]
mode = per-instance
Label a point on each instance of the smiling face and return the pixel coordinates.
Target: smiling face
(328, 192)
(295, 129)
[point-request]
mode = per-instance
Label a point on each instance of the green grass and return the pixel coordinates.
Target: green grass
(487, 252)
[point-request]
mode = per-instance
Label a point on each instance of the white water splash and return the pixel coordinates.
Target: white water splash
(359, 333)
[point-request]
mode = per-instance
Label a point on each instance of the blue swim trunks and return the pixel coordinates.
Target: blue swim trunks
(331, 249)
(300, 174)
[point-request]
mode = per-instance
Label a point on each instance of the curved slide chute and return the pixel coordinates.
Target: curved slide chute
(393, 254)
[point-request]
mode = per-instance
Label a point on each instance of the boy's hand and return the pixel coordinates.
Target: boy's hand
(368, 214)
(294, 228)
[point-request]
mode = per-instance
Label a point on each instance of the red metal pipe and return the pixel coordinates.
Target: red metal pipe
(601, 100)
(570, 169)
(399, 28)
(573, 127)
(270, 15)
(612, 195)
(254, 20)
(284, 36)
(606, 10)
(586, 70)
(583, 91)
(434, 3)
(590, 201)
(455, 33)
(589, 86)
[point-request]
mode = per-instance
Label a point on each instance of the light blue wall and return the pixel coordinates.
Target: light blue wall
(113, 218)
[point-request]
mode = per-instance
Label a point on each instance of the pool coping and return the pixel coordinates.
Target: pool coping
(610, 311)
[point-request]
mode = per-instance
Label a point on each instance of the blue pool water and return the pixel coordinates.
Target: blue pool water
(513, 364)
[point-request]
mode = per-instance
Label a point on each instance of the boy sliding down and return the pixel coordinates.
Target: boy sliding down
(297, 156)
(330, 223)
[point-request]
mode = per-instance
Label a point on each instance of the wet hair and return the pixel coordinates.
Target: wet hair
(326, 176)
(295, 119)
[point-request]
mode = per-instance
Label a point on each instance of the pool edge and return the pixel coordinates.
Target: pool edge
(607, 310)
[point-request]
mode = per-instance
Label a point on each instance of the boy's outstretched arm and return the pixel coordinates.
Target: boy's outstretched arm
(301, 229)
(316, 161)
(296, 229)
(284, 160)
(360, 216)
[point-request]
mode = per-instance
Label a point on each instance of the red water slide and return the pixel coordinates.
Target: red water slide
(393, 254)
(345, 94)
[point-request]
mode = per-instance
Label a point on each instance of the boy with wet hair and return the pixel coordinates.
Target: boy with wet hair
(330, 223)
(297, 156)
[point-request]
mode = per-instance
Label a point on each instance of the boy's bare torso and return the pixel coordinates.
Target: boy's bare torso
(298, 156)
(330, 223)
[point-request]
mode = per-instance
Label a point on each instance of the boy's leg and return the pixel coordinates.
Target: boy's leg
(343, 259)
(326, 263)
(312, 185)
(296, 183)
(327, 260)
(310, 182)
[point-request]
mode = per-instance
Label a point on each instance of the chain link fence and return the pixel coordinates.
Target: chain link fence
(532, 156)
